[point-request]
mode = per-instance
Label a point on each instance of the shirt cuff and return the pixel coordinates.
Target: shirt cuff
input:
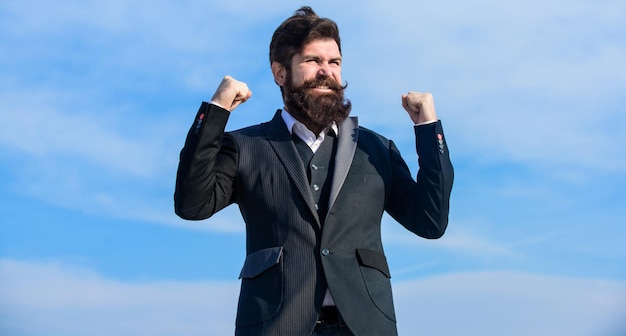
(423, 123)
(218, 105)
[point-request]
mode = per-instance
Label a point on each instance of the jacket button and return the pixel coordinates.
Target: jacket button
(325, 252)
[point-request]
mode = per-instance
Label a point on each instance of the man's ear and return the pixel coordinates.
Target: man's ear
(279, 72)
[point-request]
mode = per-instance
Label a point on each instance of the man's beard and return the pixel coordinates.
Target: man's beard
(316, 111)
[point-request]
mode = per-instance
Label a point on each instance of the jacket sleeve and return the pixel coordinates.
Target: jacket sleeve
(208, 162)
(422, 206)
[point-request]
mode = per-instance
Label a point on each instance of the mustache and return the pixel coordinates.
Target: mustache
(323, 81)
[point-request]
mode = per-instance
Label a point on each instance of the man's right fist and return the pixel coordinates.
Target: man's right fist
(231, 93)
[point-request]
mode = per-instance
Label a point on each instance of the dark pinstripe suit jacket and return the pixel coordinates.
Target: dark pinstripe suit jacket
(291, 260)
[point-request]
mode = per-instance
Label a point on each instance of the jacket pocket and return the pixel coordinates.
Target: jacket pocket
(259, 261)
(376, 276)
(373, 259)
(261, 286)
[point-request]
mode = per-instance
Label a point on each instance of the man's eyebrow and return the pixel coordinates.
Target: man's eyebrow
(317, 57)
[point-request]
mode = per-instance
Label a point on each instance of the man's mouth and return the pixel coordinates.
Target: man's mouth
(321, 91)
(323, 88)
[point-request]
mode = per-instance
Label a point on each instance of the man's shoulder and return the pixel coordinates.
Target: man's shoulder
(269, 129)
(369, 132)
(247, 131)
(371, 135)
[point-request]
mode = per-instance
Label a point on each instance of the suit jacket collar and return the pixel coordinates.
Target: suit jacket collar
(280, 139)
(346, 147)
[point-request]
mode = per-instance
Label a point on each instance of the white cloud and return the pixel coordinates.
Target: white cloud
(79, 156)
(228, 220)
(52, 298)
(512, 304)
(62, 125)
(462, 239)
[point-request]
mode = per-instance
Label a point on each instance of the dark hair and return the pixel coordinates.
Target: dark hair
(298, 30)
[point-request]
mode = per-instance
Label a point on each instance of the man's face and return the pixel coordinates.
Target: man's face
(319, 58)
(313, 93)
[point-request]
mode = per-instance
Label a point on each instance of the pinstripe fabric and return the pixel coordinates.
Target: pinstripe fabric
(282, 215)
(290, 260)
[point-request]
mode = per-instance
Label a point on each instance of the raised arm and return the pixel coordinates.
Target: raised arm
(208, 161)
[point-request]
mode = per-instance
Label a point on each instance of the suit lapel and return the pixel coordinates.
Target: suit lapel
(280, 140)
(346, 147)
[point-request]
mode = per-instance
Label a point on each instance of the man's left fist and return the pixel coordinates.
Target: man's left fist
(420, 106)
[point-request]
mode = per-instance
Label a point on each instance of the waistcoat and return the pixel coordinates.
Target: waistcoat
(319, 168)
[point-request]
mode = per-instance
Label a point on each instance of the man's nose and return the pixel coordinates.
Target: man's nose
(324, 70)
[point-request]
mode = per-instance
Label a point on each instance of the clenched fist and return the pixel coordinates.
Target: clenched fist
(230, 93)
(420, 106)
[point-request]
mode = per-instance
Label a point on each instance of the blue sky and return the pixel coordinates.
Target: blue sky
(96, 98)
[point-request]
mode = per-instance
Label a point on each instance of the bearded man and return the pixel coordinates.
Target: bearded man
(312, 186)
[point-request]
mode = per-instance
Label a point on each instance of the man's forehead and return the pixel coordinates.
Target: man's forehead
(321, 45)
